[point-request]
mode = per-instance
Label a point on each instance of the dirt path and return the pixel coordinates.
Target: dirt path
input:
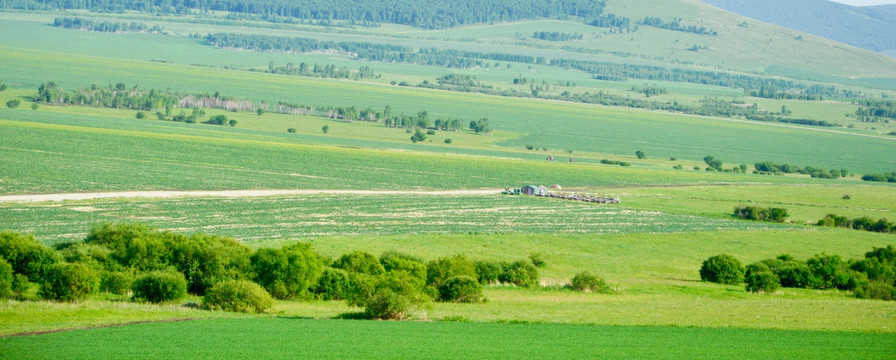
(227, 193)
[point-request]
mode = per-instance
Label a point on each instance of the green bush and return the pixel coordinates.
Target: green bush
(206, 260)
(876, 290)
(20, 284)
(520, 273)
(116, 282)
(288, 272)
(487, 272)
(159, 286)
(92, 255)
(586, 281)
(723, 269)
(537, 260)
(237, 296)
(14, 103)
(760, 278)
(332, 284)
(26, 256)
(830, 272)
(359, 262)
(69, 282)
(440, 270)
(396, 261)
(135, 246)
(761, 214)
(6, 279)
(395, 295)
(462, 289)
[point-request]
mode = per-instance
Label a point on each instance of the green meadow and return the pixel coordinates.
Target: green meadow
(673, 213)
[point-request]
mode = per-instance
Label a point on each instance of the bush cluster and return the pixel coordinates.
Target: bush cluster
(862, 223)
(723, 269)
(761, 214)
(586, 281)
(873, 277)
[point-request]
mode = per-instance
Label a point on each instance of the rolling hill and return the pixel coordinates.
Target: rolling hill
(869, 28)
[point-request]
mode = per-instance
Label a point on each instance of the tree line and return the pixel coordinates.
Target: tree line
(872, 277)
(556, 36)
(768, 167)
(675, 25)
(429, 14)
(869, 109)
(137, 262)
(322, 71)
(105, 26)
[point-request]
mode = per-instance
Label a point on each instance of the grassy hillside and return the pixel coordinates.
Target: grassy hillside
(865, 27)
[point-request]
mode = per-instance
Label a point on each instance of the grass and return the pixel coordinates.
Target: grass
(275, 218)
(366, 339)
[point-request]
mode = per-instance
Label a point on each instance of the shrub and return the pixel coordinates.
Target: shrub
(723, 269)
(291, 130)
(830, 271)
(116, 282)
(761, 214)
(759, 278)
(20, 284)
(34, 106)
(288, 272)
(462, 289)
(640, 154)
(520, 273)
(359, 262)
(396, 261)
(430, 132)
(160, 286)
(488, 271)
(14, 103)
(6, 279)
(448, 140)
(206, 260)
(876, 290)
(586, 281)
(394, 295)
(68, 282)
(93, 255)
(140, 115)
(26, 256)
(325, 129)
(333, 284)
(232, 122)
(440, 270)
(237, 296)
(537, 260)
(132, 245)
(795, 274)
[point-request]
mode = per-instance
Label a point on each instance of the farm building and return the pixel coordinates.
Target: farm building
(534, 190)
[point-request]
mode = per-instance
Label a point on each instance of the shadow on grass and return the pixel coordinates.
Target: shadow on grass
(352, 316)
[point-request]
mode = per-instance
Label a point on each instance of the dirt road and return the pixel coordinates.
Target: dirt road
(227, 193)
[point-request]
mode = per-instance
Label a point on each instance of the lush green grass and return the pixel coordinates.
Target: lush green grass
(272, 338)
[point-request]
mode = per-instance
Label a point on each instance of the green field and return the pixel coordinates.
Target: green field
(272, 338)
(648, 248)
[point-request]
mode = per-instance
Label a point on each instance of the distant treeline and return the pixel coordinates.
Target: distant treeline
(104, 26)
(556, 36)
(322, 71)
(812, 92)
(870, 109)
(675, 25)
(622, 72)
(430, 14)
(772, 168)
(886, 177)
(863, 223)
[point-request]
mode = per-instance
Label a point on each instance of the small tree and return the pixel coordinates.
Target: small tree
(462, 289)
(418, 136)
(34, 106)
(140, 115)
(260, 111)
(640, 154)
(537, 260)
(333, 284)
(520, 273)
(291, 130)
(440, 270)
(237, 296)
(723, 269)
(325, 129)
(359, 262)
(26, 255)
(488, 271)
(760, 278)
(395, 295)
(586, 281)
(69, 282)
(160, 286)
(288, 272)
(232, 122)
(14, 103)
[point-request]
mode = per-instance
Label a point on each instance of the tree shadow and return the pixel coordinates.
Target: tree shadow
(352, 316)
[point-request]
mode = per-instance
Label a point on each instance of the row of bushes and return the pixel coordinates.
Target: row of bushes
(157, 266)
(761, 214)
(862, 223)
(873, 277)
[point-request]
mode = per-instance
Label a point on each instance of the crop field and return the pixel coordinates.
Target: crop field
(424, 340)
(276, 218)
